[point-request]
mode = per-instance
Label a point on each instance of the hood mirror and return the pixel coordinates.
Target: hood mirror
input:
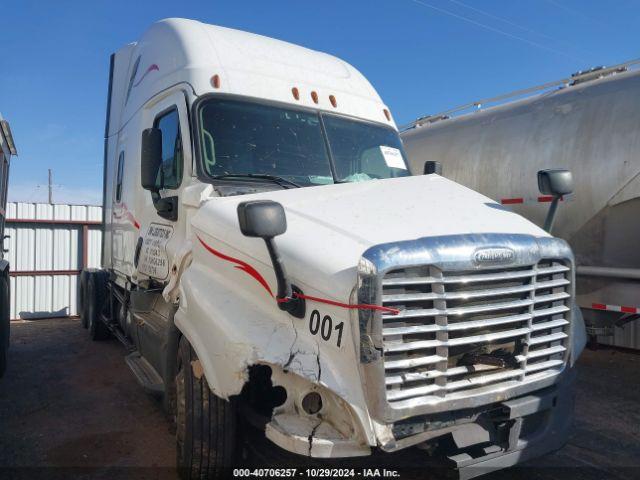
(262, 218)
(557, 183)
(266, 219)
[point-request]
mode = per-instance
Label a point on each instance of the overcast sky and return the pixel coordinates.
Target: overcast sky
(423, 56)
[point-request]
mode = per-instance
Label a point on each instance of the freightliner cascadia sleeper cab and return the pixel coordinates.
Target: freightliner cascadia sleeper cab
(268, 259)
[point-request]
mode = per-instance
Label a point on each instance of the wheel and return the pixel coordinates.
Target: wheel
(5, 325)
(96, 292)
(205, 424)
(82, 302)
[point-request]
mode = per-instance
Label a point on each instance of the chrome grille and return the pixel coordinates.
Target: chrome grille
(458, 332)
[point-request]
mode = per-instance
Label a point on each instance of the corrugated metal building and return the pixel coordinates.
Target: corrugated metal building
(48, 247)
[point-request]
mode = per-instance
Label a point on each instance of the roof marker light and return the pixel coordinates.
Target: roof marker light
(314, 97)
(215, 81)
(296, 93)
(333, 101)
(387, 114)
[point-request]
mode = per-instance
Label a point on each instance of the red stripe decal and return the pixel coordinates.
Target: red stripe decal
(629, 309)
(245, 267)
(599, 306)
(510, 201)
(151, 68)
(361, 306)
(548, 198)
(128, 215)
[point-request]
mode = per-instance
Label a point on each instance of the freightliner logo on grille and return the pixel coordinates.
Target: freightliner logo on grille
(493, 256)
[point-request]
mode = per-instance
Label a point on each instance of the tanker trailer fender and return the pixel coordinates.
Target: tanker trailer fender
(578, 334)
(629, 191)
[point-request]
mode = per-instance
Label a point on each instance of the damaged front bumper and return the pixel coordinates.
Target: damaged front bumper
(312, 437)
(538, 424)
(507, 433)
(473, 442)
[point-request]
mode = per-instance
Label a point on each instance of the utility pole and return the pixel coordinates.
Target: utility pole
(50, 188)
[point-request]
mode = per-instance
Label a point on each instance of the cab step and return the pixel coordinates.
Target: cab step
(146, 375)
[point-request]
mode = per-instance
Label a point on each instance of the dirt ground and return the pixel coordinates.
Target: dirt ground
(70, 408)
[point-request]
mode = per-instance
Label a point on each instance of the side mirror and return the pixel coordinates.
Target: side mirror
(266, 219)
(262, 219)
(557, 183)
(432, 167)
(150, 158)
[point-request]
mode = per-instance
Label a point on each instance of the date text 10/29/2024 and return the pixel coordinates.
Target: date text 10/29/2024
(316, 473)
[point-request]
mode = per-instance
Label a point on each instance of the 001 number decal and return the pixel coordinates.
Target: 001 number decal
(325, 327)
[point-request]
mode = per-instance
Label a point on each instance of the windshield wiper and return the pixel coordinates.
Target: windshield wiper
(283, 182)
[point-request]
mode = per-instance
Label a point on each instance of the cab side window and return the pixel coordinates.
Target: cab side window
(170, 173)
(119, 177)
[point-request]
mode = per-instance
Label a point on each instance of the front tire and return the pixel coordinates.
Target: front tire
(205, 423)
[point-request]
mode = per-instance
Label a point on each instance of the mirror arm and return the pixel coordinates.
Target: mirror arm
(285, 297)
(284, 285)
(551, 214)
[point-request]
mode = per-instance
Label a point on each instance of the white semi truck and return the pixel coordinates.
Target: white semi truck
(269, 260)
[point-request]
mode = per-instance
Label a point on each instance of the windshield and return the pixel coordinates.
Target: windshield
(305, 147)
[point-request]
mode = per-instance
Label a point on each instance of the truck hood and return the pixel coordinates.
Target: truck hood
(331, 226)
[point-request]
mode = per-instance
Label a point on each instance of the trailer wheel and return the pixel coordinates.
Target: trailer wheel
(82, 301)
(205, 423)
(96, 291)
(4, 322)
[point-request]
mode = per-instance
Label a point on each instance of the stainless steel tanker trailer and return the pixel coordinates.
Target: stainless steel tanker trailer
(588, 123)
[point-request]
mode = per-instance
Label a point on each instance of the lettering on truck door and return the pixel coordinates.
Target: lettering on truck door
(154, 259)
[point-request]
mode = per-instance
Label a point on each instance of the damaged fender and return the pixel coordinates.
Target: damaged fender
(232, 324)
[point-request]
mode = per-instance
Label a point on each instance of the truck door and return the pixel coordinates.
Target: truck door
(161, 235)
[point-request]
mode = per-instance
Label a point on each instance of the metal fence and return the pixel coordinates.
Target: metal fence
(48, 247)
(627, 336)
